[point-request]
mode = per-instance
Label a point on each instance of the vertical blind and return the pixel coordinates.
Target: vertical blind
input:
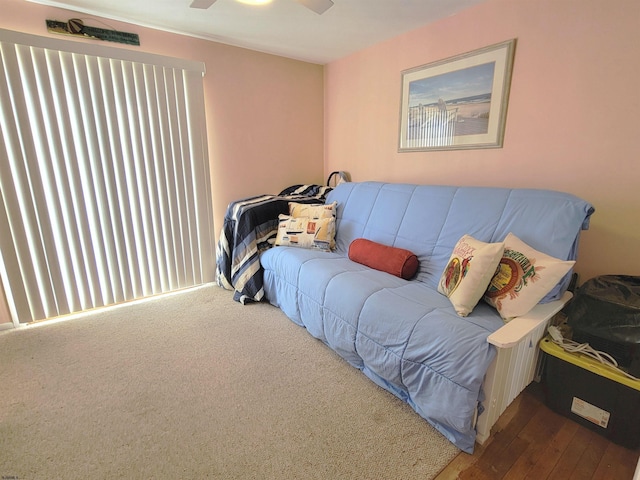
(104, 178)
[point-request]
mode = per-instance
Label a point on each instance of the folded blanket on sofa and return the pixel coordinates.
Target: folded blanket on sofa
(249, 225)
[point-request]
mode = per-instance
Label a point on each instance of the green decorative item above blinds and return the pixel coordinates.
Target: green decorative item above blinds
(77, 28)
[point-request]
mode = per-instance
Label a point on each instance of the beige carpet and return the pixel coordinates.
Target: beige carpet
(193, 386)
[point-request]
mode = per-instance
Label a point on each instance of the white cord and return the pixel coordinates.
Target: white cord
(586, 349)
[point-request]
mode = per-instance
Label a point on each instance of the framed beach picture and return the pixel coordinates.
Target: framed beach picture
(459, 102)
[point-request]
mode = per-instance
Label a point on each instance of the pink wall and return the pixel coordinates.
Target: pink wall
(572, 122)
(264, 112)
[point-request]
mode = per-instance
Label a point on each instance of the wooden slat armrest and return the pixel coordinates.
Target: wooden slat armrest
(520, 327)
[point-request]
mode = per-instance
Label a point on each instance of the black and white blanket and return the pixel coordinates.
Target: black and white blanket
(250, 227)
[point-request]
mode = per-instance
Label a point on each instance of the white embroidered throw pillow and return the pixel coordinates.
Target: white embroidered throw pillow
(312, 210)
(523, 278)
(468, 272)
(316, 233)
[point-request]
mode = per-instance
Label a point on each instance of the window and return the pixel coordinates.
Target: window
(104, 177)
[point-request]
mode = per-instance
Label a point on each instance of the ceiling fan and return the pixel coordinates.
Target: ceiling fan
(318, 6)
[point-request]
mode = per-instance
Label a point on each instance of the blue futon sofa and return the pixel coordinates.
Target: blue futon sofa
(404, 334)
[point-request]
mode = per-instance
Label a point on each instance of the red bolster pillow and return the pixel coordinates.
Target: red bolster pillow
(396, 261)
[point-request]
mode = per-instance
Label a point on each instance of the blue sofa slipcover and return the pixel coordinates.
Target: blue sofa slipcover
(403, 334)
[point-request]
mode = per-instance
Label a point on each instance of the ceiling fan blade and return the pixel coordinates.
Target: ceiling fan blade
(318, 6)
(203, 4)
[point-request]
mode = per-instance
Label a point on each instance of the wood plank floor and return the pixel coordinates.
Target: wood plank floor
(532, 442)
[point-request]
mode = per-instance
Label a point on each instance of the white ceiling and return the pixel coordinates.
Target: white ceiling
(284, 28)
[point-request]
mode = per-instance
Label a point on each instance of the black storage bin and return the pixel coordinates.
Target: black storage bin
(605, 313)
(592, 394)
